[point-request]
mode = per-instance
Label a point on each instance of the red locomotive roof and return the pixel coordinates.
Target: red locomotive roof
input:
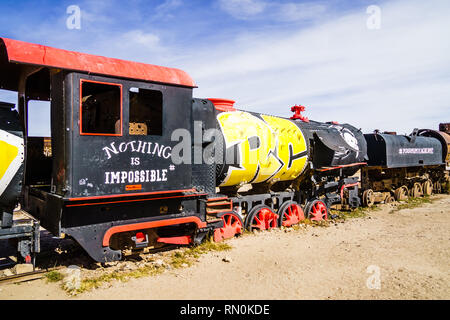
(29, 53)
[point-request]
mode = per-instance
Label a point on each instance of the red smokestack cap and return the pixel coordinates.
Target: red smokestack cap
(298, 109)
(223, 104)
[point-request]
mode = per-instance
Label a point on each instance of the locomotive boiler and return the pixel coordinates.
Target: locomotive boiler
(264, 149)
(271, 166)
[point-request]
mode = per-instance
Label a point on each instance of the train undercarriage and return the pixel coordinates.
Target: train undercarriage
(229, 216)
(387, 185)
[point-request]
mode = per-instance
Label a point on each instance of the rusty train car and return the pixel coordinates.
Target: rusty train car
(134, 161)
(405, 166)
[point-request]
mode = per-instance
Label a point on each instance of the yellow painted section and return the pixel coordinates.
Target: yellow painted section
(269, 158)
(288, 133)
(7, 154)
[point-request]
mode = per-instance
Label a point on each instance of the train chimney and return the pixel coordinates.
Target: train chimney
(223, 104)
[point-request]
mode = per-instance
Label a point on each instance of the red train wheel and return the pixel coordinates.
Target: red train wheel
(261, 217)
(317, 210)
(232, 226)
(290, 213)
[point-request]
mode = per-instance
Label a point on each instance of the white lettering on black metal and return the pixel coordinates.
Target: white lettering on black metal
(142, 147)
(416, 151)
(136, 176)
(139, 150)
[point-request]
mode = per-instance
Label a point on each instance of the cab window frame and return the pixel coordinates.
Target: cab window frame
(131, 89)
(82, 80)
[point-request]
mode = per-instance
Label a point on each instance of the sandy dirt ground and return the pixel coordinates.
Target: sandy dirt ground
(385, 255)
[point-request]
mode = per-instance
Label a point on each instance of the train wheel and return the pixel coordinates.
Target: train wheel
(427, 188)
(232, 226)
(317, 210)
(261, 217)
(416, 190)
(437, 187)
(290, 213)
(401, 194)
(368, 198)
(389, 199)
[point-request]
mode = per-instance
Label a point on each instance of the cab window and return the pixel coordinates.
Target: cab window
(101, 108)
(145, 112)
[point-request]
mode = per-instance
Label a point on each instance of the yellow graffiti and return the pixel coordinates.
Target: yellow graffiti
(288, 134)
(263, 148)
(7, 154)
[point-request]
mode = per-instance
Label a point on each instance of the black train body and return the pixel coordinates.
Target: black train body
(397, 151)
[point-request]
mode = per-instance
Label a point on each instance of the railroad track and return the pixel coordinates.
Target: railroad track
(27, 276)
(38, 274)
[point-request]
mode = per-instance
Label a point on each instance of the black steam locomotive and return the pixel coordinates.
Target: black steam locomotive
(134, 161)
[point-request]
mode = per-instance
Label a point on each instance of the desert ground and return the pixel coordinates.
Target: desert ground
(385, 254)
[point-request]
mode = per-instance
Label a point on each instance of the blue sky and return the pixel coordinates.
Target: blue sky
(270, 55)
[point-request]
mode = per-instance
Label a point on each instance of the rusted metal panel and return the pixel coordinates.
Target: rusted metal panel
(29, 53)
(447, 141)
(445, 127)
(443, 138)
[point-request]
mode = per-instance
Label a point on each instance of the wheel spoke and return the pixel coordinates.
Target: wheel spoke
(290, 210)
(315, 209)
(273, 220)
(229, 220)
(295, 210)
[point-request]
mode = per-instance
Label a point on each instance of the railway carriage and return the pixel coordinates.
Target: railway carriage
(402, 166)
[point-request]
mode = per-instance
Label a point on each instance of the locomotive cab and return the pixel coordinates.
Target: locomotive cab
(105, 173)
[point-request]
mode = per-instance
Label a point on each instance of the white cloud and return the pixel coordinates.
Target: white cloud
(299, 11)
(139, 37)
(242, 9)
(395, 78)
(165, 9)
(168, 5)
(263, 10)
